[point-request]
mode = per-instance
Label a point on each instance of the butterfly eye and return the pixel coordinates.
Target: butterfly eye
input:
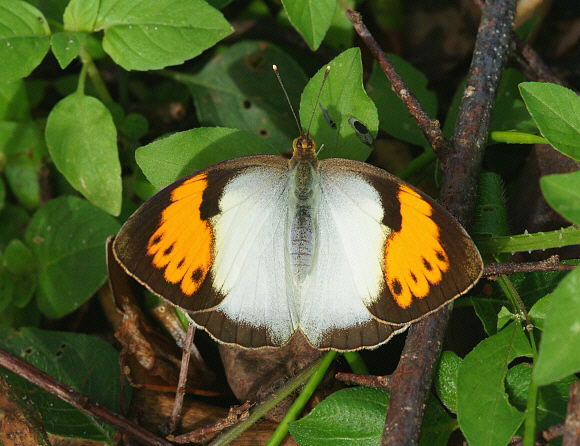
(361, 131)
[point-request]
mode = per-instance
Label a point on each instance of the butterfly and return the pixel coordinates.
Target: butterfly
(258, 248)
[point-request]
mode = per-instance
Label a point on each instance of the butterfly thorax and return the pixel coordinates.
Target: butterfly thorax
(303, 197)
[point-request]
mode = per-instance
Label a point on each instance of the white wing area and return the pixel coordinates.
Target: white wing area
(347, 271)
(249, 267)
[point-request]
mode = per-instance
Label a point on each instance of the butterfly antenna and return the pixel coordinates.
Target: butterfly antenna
(275, 68)
(318, 97)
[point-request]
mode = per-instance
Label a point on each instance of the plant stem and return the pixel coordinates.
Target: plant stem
(530, 419)
(528, 242)
(516, 138)
(356, 363)
(89, 65)
(263, 408)
(302, 399)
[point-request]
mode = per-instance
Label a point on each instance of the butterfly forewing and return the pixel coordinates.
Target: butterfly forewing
(427, 258)
(168, 244)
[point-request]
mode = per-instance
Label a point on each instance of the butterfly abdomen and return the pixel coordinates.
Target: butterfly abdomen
(303, 200)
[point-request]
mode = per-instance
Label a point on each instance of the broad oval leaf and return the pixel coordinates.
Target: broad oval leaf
(80, 15)
(152, 34)
(67, 46)
(23, 146)
(552, 399)
(446, 379)
(562, 192)
(24, 39)
(559, 354)
(347, 417)
(82, 141)
(239, 89)
(88, 364)
(168, 159)
(311, 18)
(485, 415)
(556, 111)
(341, 99)
(67, 236)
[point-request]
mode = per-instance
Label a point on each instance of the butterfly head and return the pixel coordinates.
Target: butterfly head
(304, 148)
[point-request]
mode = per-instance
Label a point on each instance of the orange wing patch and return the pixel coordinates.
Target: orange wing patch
(182, 243)
(414, 257)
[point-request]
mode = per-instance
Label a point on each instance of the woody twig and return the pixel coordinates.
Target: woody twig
(460, 165)
(79, 401)
(430, 127)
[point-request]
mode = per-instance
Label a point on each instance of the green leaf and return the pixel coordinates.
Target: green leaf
(134, 125)
(23, 146)
(483, 411)
(14, 317)
(446, 379)
(13, 221)
(52, 9)
(18, 258)
(16, 289)
(394, 117)
(341, 33)
(552, 399)
(354, 416)
(80, 15)
(2, 192)
(67, 236)
(238, 89)
(166, 160)
(152, 34)
(19, 277)
(82, 141)
(67, 46)
(86, 363)
(343, 97)
(539, 311)
(14, 104)
(24, 39)
(311, 18)
(556, 111)
(437, 425)
(559, 354)
(562, 192)
(487, 313)
(509, 112)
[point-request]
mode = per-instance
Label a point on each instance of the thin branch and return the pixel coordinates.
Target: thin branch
(572, 423)
(75, 399)
(551, 264)
(430, 127)
(180, 393)
(378, 381)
